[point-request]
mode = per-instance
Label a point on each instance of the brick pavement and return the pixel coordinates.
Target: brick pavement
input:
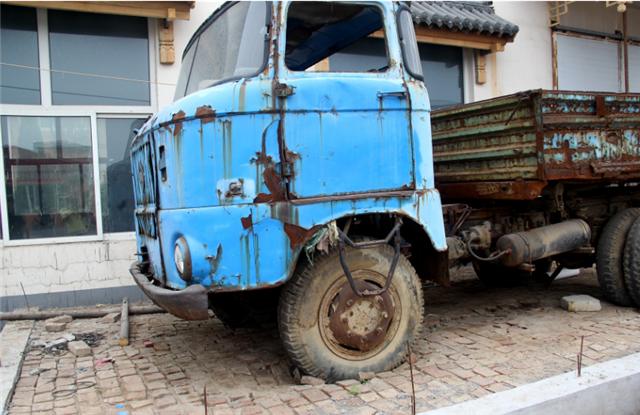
(475, 341)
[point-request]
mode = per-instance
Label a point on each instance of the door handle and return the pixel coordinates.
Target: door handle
(397, 94)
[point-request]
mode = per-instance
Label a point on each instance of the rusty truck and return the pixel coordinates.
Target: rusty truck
(272, 185)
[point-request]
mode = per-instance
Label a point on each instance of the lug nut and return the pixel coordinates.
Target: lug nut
(349, 303)
(379, 330)
(385, 315)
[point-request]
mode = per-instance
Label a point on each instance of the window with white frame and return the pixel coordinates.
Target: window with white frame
(73, 87)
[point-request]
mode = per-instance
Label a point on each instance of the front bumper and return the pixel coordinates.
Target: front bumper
(192, 303)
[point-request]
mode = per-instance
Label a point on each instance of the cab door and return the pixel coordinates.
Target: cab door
(343, 131)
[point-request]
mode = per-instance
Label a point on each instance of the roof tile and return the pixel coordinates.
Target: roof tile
(478, 17)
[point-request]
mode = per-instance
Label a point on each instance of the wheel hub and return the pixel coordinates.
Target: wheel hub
(360, 323)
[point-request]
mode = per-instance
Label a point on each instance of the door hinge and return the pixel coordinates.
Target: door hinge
(283, 90)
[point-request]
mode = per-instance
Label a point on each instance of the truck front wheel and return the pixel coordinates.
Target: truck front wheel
(332, 333)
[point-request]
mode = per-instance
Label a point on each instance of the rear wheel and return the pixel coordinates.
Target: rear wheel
(632, 262)
(609, 256)
(330, 332)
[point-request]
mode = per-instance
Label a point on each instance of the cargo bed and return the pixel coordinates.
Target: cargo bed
(514, 146)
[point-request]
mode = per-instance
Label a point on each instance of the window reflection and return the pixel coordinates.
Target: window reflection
(19, 83)
(116, 188)
(108, 55)
(49, 176)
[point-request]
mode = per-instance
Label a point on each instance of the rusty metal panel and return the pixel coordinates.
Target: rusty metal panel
(489, 141)
(591, 136)
(510, 147)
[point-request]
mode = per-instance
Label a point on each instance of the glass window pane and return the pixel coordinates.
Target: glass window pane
(409, 45)
(185, 71)
(49, 176)
(116, 189)
(98, 59)
(19, 52)
(367, 53)
(233, 46)
(442, 68)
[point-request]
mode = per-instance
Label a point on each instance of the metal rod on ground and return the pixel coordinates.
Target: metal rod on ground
(124, 323)
(413, 388)
(25, 296)
(95, 313)
(206, 410)
(580, 356)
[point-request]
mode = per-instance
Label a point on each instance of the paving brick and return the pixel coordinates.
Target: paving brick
(482, 341)
(314, 395)
(484, 371)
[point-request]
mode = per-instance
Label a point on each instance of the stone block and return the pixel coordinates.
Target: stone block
(79, 348)
(581, 302)
(57, 324)
(54, 326)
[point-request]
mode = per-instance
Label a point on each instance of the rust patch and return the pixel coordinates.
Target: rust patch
(206, 114)
(291, 156)
(601, 108)
(272, 180)
(177, 119)
(507, 190)
(297, 234)
(273, 183)
(247, 222)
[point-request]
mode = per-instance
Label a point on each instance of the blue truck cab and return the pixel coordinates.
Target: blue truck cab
(276, 173)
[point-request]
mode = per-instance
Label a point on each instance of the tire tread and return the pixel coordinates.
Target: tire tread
(289, 308)
(609, 256)
(631, 262)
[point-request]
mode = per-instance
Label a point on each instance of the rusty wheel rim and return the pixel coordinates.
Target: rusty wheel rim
(362, 322)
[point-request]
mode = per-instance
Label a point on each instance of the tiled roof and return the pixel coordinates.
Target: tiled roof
(462, 16)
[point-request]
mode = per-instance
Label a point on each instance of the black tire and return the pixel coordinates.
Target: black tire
(631, 262)
(309, 339)
(609, 257)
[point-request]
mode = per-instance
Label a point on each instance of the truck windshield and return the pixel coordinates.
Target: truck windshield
(231, 44)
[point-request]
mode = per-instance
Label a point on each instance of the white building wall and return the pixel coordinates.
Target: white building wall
(525, 63)
(54, 268)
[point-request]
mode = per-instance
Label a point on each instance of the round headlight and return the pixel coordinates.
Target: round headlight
(182, 258)
(179, 259)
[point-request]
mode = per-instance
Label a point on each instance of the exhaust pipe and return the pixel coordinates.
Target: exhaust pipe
(543, 242)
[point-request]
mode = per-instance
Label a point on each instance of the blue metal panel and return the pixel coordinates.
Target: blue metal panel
(246, 246)
(247, 176)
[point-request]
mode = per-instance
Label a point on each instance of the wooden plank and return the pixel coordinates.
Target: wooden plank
(459, 39)
(173, 10)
